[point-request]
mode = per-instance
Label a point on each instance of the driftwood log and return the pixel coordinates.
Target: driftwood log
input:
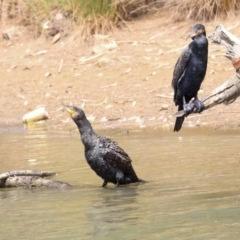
(230, 90)
(30, 179)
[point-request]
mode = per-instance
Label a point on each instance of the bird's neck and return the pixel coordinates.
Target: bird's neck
(201, 39)
(86, 132)
(200, 45)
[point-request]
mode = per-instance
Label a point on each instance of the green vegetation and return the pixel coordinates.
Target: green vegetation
(98, 16)
(91, 15)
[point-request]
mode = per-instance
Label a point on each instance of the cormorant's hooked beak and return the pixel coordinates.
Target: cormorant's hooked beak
(69, 109)
(194, 33)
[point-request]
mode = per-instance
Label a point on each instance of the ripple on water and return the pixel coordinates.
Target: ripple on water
(192, 192)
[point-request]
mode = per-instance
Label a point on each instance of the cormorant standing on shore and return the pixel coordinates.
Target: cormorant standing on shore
(104, 156)
(189, 73)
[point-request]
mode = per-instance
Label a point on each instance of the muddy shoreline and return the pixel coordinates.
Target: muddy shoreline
(126, 87)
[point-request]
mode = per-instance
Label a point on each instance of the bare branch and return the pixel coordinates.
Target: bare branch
(26, 173)
(224, 37)
(30, 179)
(31, 182)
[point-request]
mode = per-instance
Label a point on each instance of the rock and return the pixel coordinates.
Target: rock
(47, 74)
(164, 107)
(13, 32)
(101, 48)
(56, 38)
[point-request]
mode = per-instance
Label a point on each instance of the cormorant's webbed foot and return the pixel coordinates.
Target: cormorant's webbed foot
(198, 105)
(104, 183)
(188, 108)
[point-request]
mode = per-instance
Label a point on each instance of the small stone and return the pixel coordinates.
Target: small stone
(32, 160)
(148, 50)
(47, 74)
(151, 119)
(103, 119)
(128, 70)
(164, 107)
(165, 120)
(108, 106)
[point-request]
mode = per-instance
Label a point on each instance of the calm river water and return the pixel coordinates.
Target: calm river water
(193, 190)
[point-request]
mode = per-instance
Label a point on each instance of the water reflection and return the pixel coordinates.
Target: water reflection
(114, 209)
(193, 190)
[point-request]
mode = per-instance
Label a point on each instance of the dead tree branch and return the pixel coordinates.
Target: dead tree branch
(36, 173)
(230, 90)
(31, 182)
(30, 179)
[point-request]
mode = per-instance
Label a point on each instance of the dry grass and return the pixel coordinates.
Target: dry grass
(199, 9)
(87, 17)
(65, 15)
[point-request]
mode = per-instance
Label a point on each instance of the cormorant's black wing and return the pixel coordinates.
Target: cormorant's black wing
(180, 66)
(115, 156)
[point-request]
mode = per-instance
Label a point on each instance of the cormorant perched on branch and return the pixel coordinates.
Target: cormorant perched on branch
(189, 73)
(104, 156)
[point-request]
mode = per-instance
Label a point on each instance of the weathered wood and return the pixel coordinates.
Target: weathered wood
(223, 37)
(30, 179)
(31, 182)
(26, 173)
(230, 90)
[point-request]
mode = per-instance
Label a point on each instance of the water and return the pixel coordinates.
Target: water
(193, 190)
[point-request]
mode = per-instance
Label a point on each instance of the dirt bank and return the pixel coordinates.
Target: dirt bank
(128, 86)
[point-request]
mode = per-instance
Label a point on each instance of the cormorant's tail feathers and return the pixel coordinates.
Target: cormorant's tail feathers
(179, 120)
(178, 123)
(141, 180)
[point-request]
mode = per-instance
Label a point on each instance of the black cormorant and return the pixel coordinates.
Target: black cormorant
(189, 73)
(104, 156)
